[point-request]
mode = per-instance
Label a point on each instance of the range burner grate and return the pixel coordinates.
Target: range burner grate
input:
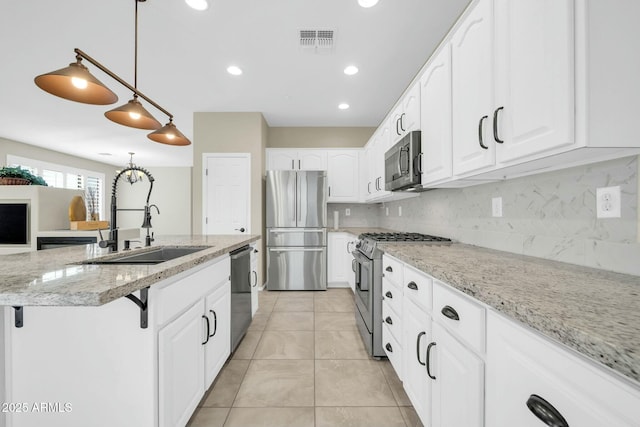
(403, 237)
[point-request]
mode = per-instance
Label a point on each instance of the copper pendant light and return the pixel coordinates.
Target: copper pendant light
(169, 134)
(134, 115)
(76, 83)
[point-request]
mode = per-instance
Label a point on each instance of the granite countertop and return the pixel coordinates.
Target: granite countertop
(592, 311)
(54, 277)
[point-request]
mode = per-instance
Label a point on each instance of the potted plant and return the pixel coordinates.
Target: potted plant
(19, 176)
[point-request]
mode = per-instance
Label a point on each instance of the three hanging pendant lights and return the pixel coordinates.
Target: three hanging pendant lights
(76, 83)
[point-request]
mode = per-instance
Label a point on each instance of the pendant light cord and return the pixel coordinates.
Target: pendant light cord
(135, 54)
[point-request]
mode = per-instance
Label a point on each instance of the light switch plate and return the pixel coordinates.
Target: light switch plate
(496, 207)
(608, 202)
(347, 212)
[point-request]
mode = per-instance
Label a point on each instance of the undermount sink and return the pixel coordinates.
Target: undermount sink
(155, 256)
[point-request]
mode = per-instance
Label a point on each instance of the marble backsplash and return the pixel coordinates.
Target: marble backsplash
(550, 215)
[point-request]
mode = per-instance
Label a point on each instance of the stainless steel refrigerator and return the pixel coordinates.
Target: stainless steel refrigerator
(296, 211)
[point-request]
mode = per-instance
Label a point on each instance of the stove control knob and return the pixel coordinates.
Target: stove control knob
(359, 244)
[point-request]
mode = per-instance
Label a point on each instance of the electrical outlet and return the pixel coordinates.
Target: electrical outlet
(608, 202)
(496, 207)
(347, 212)
(387, 210)
(399, 210)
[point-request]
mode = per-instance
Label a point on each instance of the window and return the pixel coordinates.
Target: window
(61, 176)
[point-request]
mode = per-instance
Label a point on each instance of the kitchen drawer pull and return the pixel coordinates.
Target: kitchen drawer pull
(428, 361)
(401, 122)
(546, 412)
(208, 329)
(412, 285)
(389, 269)
(418, 166)
(495, 126)
(450, 312)
(369, 187)
(397, 123)
(215, 323)
(388, 347)
(480, 133)
(420, 335)
(389, 295)
(389, 320)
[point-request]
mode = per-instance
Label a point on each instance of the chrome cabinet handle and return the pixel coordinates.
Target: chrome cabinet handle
(388, 347)
(292, 164)
(389, 295)
(480, 133)
(418, 167)
(397, 123)
(428, 361)
(208, 329)
(215, 323)
(299, 167)
(450, 312)
(329, 191)
(389, 320)
(420, 335)
(495, 126)
(412, 285)
(402, 121)
(369, 187)
(545, 412)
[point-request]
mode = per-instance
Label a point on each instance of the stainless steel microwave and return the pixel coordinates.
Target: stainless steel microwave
(402, 164)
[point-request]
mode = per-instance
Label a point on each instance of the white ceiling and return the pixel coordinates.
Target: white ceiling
(182, 60)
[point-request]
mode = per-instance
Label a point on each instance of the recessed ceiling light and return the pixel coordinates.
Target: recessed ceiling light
(343, 106)
(351, 70)
(367, 3)
(197, 4)
(234, 70)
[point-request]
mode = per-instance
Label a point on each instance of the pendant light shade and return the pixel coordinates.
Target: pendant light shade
(170, 135)
(76, 83)
(134, 115)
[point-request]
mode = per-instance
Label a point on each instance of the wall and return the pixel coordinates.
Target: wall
(361, 215)
(318, 137)
(32, 152)
(231, 133)
(171, 193)
(549, 215)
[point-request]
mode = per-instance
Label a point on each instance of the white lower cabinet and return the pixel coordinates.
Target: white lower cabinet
(531, 379)
(458, 382)
(339, 260)
(217, 346)
(417, 336)
(181, 367)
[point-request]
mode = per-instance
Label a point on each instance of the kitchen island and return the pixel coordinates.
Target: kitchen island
(77, 353)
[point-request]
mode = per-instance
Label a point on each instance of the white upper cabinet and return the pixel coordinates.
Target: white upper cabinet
(296, 159)
(406, 116)
(343, 175)
(534, 77)
(472, 76)
(435, 118)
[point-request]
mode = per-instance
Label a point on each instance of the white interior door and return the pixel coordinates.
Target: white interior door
(227, 193)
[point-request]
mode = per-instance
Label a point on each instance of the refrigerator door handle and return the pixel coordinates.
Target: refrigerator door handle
(295, 230)
(299, 190)
(300, 249)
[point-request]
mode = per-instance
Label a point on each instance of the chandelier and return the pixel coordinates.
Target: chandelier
(76, 83)
(132, 173)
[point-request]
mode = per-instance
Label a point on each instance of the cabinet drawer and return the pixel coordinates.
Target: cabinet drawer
(392, 270)
(392, 320)
(392, 295)
(460, 315)
(176, 296)
(392, 349)
(417, 287)
(524, 366)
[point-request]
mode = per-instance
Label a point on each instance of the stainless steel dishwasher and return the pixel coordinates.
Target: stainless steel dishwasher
(240, 294)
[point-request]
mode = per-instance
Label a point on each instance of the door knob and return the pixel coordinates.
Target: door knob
(241, 229)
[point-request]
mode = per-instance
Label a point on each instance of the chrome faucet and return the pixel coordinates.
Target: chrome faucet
(112, 242)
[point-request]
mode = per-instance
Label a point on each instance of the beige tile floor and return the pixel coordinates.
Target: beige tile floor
(303, 364)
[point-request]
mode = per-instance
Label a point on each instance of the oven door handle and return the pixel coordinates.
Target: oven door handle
(361, 258)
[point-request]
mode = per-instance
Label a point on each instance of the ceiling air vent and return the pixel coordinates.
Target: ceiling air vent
(317, 40)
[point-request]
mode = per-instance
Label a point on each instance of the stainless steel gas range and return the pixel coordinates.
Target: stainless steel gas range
(367, 265)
